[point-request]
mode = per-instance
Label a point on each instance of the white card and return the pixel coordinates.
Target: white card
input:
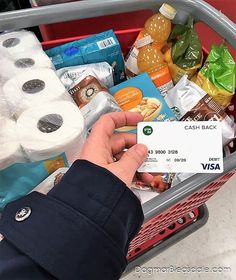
(190, 147)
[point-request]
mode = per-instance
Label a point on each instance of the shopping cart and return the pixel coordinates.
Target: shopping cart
(178, 211)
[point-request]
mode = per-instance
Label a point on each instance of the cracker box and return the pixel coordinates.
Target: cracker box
(102, 47)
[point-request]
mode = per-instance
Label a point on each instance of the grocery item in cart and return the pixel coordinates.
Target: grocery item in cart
(185, 55)
(50, 129)
(18, 42)
(160, 183)
(19, 179)
(139, 94)
(92, 97)
(101, 104)
(85, 88)
(151, 60)
(45, 186)
(33, 87)
(190, 103)
(18, 63)
(155, 33)
(10, 151)
(102, 70)
(217, 76)
(96, 48)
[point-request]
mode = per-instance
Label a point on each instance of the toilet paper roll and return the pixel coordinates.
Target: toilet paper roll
(18, 42)
(13, 65)
(50, 129)
(3, 106)
(33, 88)
(10, 151)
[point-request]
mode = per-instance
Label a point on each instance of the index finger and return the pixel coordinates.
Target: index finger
(106, 125)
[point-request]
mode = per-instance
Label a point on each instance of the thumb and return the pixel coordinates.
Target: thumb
(132, 159)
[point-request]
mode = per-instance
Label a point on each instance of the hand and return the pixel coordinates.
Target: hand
(103, 146)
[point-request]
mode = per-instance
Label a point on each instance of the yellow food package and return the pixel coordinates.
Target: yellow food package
(217, 76)
(221, 96)
(176, 72)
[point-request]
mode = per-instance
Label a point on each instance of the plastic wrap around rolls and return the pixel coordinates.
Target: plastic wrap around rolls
(10, 151)
(50, 129)
(18, 63)
(3, 105)
(18, 42)
(32, 88)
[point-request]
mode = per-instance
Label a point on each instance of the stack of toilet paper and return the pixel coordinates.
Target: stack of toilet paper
(38, 119)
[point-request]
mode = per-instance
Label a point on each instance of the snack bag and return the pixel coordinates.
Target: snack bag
(102, 70)
(92, 97)
(185, 56)
(160, 183)
(190, 103)
(217, 76)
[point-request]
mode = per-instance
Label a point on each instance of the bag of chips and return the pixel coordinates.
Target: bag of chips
(185, 55)
(217, 76)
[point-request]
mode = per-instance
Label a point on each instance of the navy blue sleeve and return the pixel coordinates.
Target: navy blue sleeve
(80, 230)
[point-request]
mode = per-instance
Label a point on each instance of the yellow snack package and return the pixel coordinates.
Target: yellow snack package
(176, 72)
(217, 76)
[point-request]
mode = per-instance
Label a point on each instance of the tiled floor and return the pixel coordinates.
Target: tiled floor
(214, 245)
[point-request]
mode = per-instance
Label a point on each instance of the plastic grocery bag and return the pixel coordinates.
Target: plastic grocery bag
(217, 76)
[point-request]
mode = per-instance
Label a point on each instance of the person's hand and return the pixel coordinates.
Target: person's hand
(106, 148)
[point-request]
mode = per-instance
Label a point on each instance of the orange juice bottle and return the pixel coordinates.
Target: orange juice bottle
(152, 38)
(150, 59)
(158, 26)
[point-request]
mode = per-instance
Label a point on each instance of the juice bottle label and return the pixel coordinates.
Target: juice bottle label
(131, 65)
(131, 59)
(162, 79)
(145, 40)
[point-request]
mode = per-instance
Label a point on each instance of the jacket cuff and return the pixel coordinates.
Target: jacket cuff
(89, 217)
(60, 239)
(102, 197)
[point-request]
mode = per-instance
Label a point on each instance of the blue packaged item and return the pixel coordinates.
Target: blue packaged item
(102, 47)
(20, 178)
(140, 95)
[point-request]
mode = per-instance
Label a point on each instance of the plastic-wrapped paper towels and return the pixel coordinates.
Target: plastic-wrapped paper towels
(31, 88)
(18, 42)
(10, 151)
(50, 129)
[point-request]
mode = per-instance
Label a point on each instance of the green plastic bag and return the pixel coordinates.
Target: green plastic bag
(186, 47)
(217, 76)
(219, 68)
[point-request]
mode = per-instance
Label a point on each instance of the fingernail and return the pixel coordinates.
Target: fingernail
(141, 149)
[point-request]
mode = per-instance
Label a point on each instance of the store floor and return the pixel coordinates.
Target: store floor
(212, 246)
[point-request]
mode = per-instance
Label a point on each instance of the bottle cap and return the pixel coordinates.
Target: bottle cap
(167, 11)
